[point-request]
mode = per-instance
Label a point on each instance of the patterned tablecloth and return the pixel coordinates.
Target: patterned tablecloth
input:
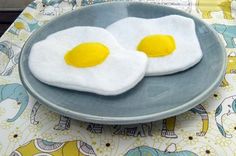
(29, 128)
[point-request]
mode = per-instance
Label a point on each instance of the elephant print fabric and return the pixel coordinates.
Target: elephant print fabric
(64, 122)
(28, 127)
(208, 7)
(227, 107)
(228, 32)
(9, 55)
(15, 92)
(25, 22)
(146, 151)
(169, 124)
(144, 130)
(42, 147)
(55, 7)
(231, 68)
(136, 130)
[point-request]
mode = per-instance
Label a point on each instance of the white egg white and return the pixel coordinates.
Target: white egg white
(120, 71)
(130, 31)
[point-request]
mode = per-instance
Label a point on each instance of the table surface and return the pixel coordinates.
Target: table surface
(28, 128)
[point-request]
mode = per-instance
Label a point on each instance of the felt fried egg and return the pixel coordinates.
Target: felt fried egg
(170, 42)
(86, 59)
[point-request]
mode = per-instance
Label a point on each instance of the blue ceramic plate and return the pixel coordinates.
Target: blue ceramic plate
(154, 98)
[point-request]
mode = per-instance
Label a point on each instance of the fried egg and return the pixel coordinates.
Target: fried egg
(86, 59)
(170, 42)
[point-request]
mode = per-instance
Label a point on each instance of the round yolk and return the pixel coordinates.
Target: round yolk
(157, 45)
(87, 54)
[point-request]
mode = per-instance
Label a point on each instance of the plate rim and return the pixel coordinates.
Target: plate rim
(124, 120)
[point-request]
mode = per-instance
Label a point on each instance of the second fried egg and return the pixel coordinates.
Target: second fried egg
(170, 42)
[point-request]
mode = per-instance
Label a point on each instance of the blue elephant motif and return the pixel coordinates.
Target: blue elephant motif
(170, 151)
(227, 107)
(15, 92)
(228, 32)
(12, 52)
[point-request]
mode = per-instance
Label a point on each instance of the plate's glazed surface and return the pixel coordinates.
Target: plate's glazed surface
(153, 98)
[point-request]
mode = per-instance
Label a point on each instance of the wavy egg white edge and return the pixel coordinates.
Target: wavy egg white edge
(120, 71)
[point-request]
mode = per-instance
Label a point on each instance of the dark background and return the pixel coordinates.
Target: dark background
(9, 11)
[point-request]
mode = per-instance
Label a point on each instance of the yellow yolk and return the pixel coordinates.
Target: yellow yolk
(87, 54)
(157, 45)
